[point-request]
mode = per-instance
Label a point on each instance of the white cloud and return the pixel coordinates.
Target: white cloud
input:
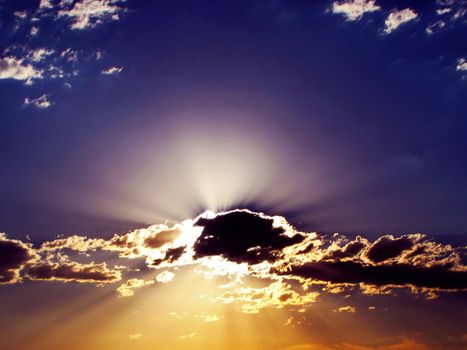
(41, 102)
(112, 71)
(34, 31)
(127, 288)
(461, 64)
(443, 11)
(397, 18)
(434, 27)
(165, 277)
(99, 54)
(15, 68)
(70, 55)
(39, 54)
(45, 4)
(460, 13)
(89, 13)
(21, 14)
(353, 10)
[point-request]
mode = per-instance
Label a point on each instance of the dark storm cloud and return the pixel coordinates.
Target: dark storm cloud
(73, 272)
(14, 255)
(438, 277)
(242, 236)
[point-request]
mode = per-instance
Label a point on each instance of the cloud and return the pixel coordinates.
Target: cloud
(438, 278)
(162, 237)
(347, 308)
(397, 18)
(75, 242)
(241, 244)
(350, 250)
(461, 64)
(41, 102)
(21, 14)
(434, 27)
(127, 288)
(112, 71)
(405, 344)
(277, 294)
(170, 256)
(72, 272)
(34, 30)
(15, 68)
(135, 336)
(165, 277)
(208, 318)
(14, 255)
(388, 247)
(45, 4)
(354, 10)
(40, 54)
(242, 236)
(87, 14)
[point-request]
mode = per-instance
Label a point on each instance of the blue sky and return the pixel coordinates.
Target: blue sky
(362, 101)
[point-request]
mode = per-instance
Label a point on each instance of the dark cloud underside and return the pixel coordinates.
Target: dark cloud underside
(241, 236)
(381, 275)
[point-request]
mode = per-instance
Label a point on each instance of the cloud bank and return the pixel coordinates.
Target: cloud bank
(295, 267)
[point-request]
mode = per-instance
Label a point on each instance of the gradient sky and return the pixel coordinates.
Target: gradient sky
(343, 116)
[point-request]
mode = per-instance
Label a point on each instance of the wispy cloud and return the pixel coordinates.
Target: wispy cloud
(112, 71)
(87, 14)
(39, 102)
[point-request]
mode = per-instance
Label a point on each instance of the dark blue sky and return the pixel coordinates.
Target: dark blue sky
(302, 111)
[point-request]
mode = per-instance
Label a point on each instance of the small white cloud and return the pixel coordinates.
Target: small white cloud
(397, 18)
(41, 102)
(435, 27)
(70, 55)
(460, 13)
(15, 68)
(112, 71)
(39, 54)
(21, 14)
(443, 11)
(99, 54)
(45, 4)
(89, 13)
(461, 64)
(127, 288)
(55, 72)
(34, 31)
(353, 10)
(165, 277)
(347, 308)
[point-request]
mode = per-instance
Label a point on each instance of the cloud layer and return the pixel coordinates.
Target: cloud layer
(294, 267)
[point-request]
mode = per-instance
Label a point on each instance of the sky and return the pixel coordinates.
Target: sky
(264, 174)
